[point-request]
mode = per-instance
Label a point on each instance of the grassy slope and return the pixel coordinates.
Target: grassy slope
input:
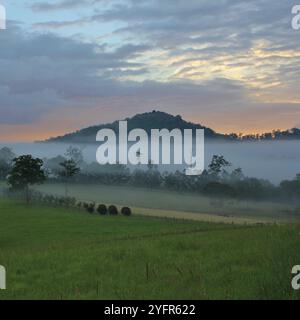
(58, 253)
(185, 203)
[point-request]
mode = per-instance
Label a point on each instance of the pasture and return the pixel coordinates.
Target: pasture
(57, 253)
(163, 203)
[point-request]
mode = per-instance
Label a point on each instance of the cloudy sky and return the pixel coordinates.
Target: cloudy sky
(228, 64)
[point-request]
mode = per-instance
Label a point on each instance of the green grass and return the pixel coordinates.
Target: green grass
(55, 253)
(181, 202)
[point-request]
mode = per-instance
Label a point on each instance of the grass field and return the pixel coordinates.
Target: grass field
(56, 253)
(180, 205)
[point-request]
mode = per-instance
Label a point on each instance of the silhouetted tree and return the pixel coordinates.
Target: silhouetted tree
(52, 166)
(26, 171)
(291, 188)
(237, 174)
(75, 154)
(69, 170)
(217, 165)
(6, 158)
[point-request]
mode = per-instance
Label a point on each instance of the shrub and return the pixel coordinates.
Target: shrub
(126, 211)
(90, 208)
(219, 189)
(113, 210)
(102, 209)
(85, 205)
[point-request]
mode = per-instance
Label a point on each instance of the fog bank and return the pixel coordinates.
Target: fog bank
(274, 160)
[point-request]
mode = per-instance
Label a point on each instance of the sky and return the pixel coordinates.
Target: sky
(232, 65)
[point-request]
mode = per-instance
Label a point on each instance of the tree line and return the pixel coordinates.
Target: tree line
(218, 180)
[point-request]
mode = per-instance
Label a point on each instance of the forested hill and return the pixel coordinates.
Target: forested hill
(162, 120)
(146, 121)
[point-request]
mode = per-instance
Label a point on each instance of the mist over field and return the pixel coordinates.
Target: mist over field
(274, 160)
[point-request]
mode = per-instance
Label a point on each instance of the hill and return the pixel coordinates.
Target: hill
(146, 121)
(163, 120)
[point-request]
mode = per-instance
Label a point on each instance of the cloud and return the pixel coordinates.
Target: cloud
(46, 72)
(42, 6)
(219, 60)
(252, 42)
(55, 25)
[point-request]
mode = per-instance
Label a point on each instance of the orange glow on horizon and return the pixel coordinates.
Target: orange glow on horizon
(23, 133)
(27, 133)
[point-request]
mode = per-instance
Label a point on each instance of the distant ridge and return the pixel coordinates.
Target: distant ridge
(161, 120)
(275, 135)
